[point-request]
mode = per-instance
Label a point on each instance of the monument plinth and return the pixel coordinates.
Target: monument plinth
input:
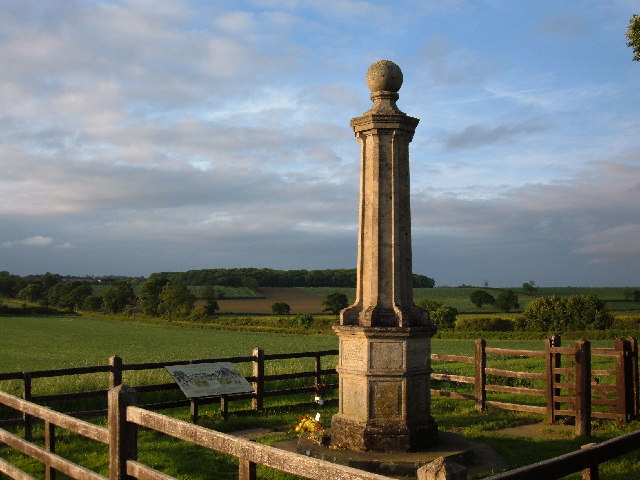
(385, 340)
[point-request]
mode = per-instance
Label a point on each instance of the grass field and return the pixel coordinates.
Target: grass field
(458, 297)
(54, 342)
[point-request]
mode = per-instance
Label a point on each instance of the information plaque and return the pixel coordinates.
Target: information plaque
(209, 379)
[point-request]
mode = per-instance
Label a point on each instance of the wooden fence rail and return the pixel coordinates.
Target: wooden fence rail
(124, 418)
(570, 386)
(116, 369)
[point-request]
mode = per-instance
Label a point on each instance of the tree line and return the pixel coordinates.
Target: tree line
(265, 277)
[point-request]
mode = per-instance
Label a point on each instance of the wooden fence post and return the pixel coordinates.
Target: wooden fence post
(27, 420)
(623, 380)
(246, 469)
(583, 388)
(590, 473)
(258, 382)
(115, 374)
(123, 436)
(480, 374)
(49, 446)
(224, 406)
(194, 410)
(633, 361)
(552, 361)
(317, 369)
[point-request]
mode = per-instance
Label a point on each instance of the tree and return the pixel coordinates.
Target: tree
(632, 295)
(335, 302)
(149, 294)
(507, 300)
(559, 314)
(530, 288)
(92, 303)
(280, 308)
(118, 296)
(441, 315)
(69, 295)
(480, 298)
(175, 301)
(33, 292)
(211, 307)
(633, 34)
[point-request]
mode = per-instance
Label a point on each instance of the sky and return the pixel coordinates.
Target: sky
(139, 136)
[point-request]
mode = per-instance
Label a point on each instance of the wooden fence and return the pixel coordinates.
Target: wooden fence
(116, 369)
(121, 436)
(571, 387)
(124, 418)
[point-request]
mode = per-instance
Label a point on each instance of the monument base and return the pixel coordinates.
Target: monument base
(383, 436)
(479, 459)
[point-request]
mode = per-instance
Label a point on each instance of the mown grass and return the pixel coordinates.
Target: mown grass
(54, 342)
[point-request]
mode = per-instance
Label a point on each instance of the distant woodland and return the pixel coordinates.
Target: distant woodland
(266, 277)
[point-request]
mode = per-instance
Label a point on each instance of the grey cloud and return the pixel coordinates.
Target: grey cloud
(479, 135)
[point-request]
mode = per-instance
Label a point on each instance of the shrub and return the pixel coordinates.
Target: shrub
(626, 322)
(199, 315)
(484, 324)
(335, 302)
(92, 303)
(441, 315)
(303, 320)
(560, 314)
(280, 308)
(480, 298)
(507, 300)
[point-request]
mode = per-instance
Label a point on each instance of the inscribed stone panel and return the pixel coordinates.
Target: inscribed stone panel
(353, 354)
(419, 352)
(354, 397)
(387, 355)
(386, 399)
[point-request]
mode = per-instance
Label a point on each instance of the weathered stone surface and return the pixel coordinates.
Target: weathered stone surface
(442, 469)
(385, 340)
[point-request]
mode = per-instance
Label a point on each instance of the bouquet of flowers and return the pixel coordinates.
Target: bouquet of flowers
(307, 423)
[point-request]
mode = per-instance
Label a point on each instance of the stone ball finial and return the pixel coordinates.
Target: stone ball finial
(384, 75)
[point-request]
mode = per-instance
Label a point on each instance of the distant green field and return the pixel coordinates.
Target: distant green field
(458, 297)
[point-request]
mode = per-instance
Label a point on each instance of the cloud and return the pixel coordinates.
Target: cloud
(616, 242)
(566, 24)
(35, 241)
(477, 135)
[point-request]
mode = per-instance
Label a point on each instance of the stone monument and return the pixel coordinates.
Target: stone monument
(385, 340)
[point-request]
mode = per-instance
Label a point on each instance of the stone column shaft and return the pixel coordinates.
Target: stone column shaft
(385, 340)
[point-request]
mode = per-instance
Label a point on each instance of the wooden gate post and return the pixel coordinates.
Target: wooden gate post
(115, 372)
(633, 372)
(27, 420)
(552, 362)
(123, 436)
(480, 374)
(583, 388)
(258, 381)
(623, 380)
